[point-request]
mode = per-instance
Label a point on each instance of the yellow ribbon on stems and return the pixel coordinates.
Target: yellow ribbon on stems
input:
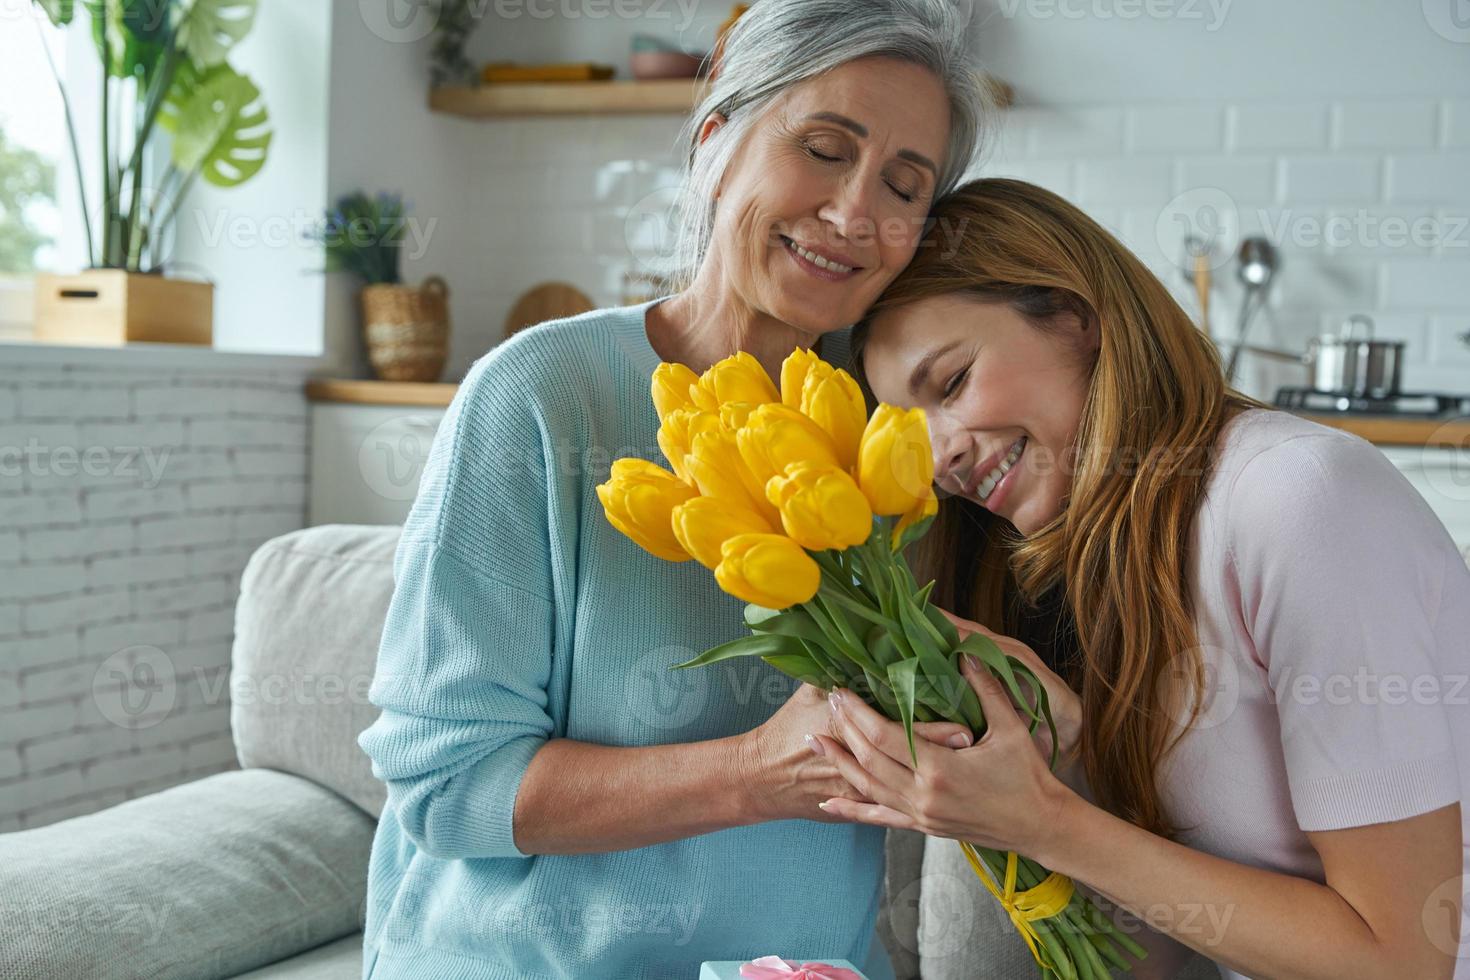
(1044, 901)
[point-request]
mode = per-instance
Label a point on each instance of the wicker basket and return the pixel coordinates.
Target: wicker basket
(406, 330)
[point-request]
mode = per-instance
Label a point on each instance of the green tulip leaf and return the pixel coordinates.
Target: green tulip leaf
(901, 678)
(799, 666)
(947, 630)
(914, 532)
(788, 622)
(756, 616)
(220, 126)
(759, 645)
(208, 29)
(1012, 673)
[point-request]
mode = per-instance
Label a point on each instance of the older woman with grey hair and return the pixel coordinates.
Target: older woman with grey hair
(559, 804)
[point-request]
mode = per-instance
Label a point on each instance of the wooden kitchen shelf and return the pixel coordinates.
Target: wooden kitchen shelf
(379, 392)
(565, 98)
(674, 95)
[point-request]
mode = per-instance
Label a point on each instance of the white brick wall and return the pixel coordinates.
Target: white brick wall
(1368, 202)
(124, 528)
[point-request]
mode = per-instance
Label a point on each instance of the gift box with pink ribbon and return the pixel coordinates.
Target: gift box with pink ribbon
(775, 968)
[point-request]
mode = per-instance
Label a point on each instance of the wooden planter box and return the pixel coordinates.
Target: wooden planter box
(106, 307)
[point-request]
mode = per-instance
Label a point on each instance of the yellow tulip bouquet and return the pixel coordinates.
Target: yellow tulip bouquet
(802, 504)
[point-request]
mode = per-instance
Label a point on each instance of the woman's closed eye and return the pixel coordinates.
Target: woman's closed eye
(955, 383)
(825, 155)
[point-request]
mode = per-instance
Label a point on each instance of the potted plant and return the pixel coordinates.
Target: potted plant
(405, 328)
(174, 54)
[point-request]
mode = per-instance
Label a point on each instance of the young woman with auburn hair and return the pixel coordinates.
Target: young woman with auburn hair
(1201, 572)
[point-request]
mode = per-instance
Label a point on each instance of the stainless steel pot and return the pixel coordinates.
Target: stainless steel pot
(1350, 365)
(1346, 364)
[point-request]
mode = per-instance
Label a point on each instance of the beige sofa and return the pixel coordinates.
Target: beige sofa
(262, 872)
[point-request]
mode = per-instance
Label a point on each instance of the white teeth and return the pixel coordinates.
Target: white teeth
(994, 476)
(819, 261)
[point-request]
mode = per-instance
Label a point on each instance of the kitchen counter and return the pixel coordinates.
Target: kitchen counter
(1391, 430)
(1381, 430)
(434, 394)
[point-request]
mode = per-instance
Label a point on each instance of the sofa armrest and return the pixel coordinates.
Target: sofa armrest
(207, 879)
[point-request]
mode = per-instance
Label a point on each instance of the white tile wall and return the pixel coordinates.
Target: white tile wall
(124, 528)
(1368, 200)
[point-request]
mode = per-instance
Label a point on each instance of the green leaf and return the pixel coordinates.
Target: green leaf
(208, 29)
(946, 629)
(1012, 673)
(799, 666)
(760, 645)
(945, 688)
(832, 667)
(220, 127)
(881, 647)
(864, 612)
(901, 677)
(914, 532)
(795, 621)
(132, 36)
(838, 639)
(756, 616)
(59, 12)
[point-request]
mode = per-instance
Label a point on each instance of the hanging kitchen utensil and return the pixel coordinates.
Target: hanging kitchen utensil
(1197, 271)
(1258, 262)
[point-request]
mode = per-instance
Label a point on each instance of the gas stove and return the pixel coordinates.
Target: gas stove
(1411, 405)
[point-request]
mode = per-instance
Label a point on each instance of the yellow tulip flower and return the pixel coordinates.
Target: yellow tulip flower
(639, 500)
(793, 375)
(677, 434)
(734, 415)
(923, 510)
(776, 436)
(895, 468)
(769, 570)
(832, 399)
(738, 378)
(716, 468)
(671, 388)
(821, 507)
(704, 524)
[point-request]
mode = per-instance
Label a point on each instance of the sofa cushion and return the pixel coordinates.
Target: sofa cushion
(307, 628)
(202, 880)
(340, 959)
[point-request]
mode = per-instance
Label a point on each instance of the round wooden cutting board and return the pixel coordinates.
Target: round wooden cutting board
(547, 301)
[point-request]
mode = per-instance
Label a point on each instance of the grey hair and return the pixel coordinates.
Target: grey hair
(781, 43)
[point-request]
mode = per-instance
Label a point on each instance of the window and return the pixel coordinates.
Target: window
(37, 181)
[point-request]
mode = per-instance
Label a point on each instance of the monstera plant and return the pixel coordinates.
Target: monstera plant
(165, 69)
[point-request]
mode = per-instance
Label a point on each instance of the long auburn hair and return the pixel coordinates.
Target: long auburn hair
(1101, 592)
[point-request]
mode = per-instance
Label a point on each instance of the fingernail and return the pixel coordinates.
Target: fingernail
(834, 698)
(959, 740)
(822, 805)
(972, 661)
(815, 744)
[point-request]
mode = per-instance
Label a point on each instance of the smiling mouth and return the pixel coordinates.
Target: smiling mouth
(830, 264)
(982, 485)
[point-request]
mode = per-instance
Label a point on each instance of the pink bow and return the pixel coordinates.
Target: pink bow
(775, 968)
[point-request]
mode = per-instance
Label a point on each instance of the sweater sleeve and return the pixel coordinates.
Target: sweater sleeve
(1341, 570)
(465, 659)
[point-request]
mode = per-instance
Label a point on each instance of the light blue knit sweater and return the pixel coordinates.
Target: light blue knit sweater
(520, 615)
